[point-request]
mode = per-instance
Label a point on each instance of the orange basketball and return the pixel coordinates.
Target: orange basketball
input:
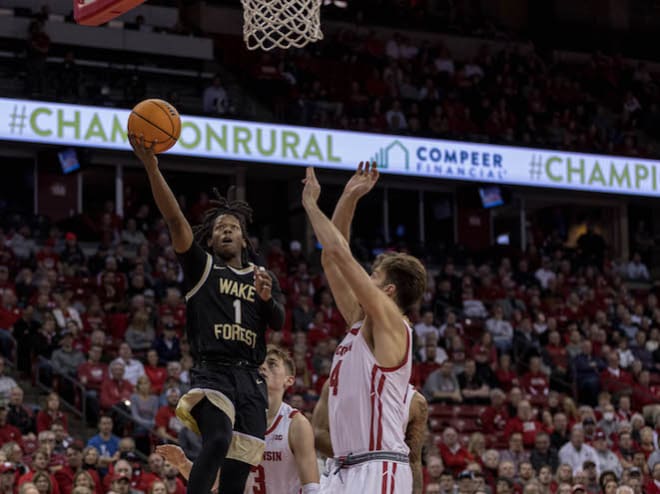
(156, 120)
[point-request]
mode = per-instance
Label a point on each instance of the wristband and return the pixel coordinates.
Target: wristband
(311, 488)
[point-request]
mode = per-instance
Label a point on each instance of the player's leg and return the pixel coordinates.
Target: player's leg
(248, 443)
(216, 430)
(233, 476)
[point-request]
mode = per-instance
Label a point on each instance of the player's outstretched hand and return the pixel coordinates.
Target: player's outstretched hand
(144, 153)
(172, 454)
(312, 189)
(363, 180)
(263, 283)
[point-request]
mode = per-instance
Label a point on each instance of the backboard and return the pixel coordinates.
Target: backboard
(97, 12)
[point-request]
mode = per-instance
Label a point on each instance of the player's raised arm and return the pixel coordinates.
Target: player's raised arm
(357, 187)
(301, 442)
(321, 423)
(415, 432)
(180, 230)
(376, 295)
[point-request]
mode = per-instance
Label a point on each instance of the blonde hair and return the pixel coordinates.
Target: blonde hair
(283, 355)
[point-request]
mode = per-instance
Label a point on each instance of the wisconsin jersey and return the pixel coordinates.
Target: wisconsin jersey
(366, 402)
(277, 473)
(226, 318)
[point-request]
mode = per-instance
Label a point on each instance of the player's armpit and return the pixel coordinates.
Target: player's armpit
(301, 442)
(415, 433)
(321, 423)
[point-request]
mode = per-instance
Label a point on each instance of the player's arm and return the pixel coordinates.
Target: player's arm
(390, 340)
(321, 423)
(180, 230)
(359, 185)
(301, 442)
(415, 433)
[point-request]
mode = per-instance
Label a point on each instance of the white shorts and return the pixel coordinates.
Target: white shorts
(372, 477)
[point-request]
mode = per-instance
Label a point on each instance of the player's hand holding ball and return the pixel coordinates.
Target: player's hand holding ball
(154, 126)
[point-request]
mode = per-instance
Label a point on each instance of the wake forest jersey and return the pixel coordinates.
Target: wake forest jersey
(226, 320)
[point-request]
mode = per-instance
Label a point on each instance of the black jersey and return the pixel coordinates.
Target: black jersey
(226, 320)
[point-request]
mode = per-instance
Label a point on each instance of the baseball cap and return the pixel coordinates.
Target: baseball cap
(600, 435)
(170, 325)
(7, 467)
(465, 474)
(589, 421)
(295, 246)
(578, 487)
(634, 471)
(70, 236)
(149, 293)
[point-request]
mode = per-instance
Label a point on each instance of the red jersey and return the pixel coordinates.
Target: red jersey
(455, 460)
(92, 375)
(157, 376)
(494, 420)
(610, 381)
(113, 391)
(28, 478)
(528, 428)
(9, 433)
(45, 420)
(165, 417)
(535, 384)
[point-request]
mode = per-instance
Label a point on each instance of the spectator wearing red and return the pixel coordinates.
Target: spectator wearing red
(319, 329)
(506, 376)
(9, 310)
(93, 372)
(156, 374)
(496, 416)
(51, 413)
(652, 486)
(613, 378)
(155, 473)
(167, 423)
(64, 476)
(331, 314)
(8, 432)
(40, 459)
(429, 364)
(173, 305)
(535, 382)
(525, 423)
(8, 477)
(115, 389)
(454, 456)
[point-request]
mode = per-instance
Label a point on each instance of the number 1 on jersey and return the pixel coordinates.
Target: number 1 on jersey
(238, 315)
(334, 378)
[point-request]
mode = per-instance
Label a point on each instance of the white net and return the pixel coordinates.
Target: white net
(284, 24)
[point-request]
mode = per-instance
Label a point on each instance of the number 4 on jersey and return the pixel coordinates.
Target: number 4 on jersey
(334, 377)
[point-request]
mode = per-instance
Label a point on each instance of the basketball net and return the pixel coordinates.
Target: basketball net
(283, 24)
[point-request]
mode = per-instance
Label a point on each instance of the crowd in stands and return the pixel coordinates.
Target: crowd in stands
(542, 372)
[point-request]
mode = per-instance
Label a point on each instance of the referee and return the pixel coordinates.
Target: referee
(229, 304)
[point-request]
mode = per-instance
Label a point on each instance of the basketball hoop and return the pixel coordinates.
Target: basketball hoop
(282, 24)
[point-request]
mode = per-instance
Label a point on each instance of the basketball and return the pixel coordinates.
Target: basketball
(156, 120)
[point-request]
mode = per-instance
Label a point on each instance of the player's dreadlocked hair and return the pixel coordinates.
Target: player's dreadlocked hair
(226, 205)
